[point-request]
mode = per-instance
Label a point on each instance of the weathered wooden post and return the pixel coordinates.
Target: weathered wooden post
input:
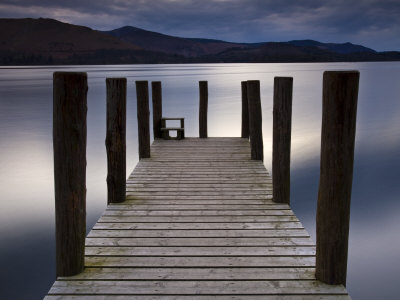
(340, 92)
(245, 111)
(282, 128)
(142, 95)
(203, 88)
(69, 144)
(182, 126)
(255, 119)
(156, 94)
(116, 139)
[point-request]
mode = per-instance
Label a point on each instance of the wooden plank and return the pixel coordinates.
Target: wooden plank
(239, 193)
(197, 219)
(210, 186)
(221, 186)
(133, 203)
(203, 262)
(159, 164)
(200, 180)
(186, 213)
(219, 164)
(217, 151)
(172, 128)
(195, 287)
(200, 171)
(190, 225)
(200, 164)
(184, 171)
(201, 151)
(197, 149)
(200, 251)
(210, 140)
(194, 274)
(210, 171)
(197, 297)
(201, 189)
(264, 177)
(202, 177)
(193, 242)
(162, 206)
(134, 196)
(287, 233)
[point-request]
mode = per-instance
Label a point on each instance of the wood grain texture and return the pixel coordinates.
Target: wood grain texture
(255, 120)
(69, 142)
(245, 111)
(196, 224)
(203, 108)
(199, 297)
(143, 114)
(156, 95)
(116, 139)
(164, 287)
(282, 131)
(339, 109)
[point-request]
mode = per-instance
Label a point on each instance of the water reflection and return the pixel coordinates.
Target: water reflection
(26, 158)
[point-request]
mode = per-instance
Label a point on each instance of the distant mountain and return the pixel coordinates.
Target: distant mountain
(287, 52)
(344, 48)
(210, 50)
(47, 41)
(154, 41)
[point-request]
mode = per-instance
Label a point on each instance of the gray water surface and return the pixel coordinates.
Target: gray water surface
(27, 246)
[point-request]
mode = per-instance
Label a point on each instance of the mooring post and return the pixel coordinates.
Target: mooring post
(340, 92)
(182, 126)
(282, 128)
(156, 94)
(203, 88)
(143, 113)
(255, 119)
(116, 139)
(245, 111)
(69, 145)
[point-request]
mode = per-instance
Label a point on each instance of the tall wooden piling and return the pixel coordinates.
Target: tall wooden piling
(116, 139)
(245, 111)
(143, 113)
(203, 89)
(69, 142)
(255, 119)
(156, 94)
(282, 128)
(340, 92)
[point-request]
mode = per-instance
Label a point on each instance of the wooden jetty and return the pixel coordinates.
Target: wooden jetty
(200, 222)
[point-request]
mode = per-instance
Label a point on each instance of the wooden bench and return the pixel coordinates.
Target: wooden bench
(180, 131)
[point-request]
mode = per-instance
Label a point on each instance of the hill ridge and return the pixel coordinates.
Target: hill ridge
(46, 41)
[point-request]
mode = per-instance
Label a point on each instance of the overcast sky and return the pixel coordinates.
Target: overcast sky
(372, 23)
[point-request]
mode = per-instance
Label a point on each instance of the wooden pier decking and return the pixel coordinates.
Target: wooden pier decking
(198, 223)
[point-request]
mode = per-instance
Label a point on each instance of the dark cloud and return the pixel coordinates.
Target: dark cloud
(373, 23)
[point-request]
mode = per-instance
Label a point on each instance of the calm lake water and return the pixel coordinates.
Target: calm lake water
(27, 246)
